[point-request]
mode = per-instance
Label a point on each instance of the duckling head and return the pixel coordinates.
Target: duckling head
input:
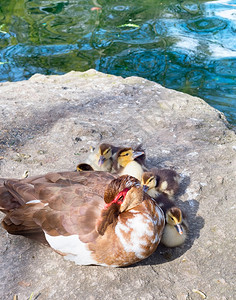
(174, 218)
(83, 167)
(127, 155)
(104, 153)
(148, 181)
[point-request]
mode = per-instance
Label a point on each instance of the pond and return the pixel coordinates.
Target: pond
(189, 46)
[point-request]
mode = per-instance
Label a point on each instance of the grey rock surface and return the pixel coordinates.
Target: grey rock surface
(48, 124)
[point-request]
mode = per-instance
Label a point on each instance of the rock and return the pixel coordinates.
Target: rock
(48, 123)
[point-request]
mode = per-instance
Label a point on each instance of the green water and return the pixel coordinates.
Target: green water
(189, 46)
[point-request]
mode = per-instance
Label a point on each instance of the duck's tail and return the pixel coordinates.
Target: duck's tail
(7, 200)
(18, 216)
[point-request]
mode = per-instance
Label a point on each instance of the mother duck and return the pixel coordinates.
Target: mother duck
(91, 218)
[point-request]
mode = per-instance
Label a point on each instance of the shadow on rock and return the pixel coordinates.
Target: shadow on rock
(18, 131)
(164, 254)
(185, 182)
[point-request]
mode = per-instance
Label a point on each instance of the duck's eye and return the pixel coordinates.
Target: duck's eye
(120, 200)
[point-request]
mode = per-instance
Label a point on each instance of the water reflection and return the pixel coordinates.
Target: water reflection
(183, 45)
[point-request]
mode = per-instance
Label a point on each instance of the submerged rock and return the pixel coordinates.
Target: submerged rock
(48, 123)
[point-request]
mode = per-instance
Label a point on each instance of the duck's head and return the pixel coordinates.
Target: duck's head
(104, 153)
(126, 155)
(148, 181)
(118, 185)
(121, 194)
(174, 218)
(127, 199)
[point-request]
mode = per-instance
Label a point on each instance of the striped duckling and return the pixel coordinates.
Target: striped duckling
(100, 159)
(130, 162)
(176, 228)
(161, 181)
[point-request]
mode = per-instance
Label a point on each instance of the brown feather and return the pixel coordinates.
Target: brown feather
(116, 186)
(72, 203)
(108, 216)
(7, 201)
(22, 192)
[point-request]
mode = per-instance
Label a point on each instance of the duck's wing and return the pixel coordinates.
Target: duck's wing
(65, 203)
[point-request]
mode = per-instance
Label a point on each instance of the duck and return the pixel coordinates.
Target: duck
(88, 217)
(158, 181)
(101, 158)
(176, 226)
(129, 162)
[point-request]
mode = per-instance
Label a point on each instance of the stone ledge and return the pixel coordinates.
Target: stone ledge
(48, 123)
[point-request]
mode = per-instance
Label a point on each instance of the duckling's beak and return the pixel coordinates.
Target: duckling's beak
(101, 160)
(179, 229)
(145, 188)
(78, 168)
(137, 154)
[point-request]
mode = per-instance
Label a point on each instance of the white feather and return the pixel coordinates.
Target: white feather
(33, 202)
(140, 228)
(77, 251)
(133, 169)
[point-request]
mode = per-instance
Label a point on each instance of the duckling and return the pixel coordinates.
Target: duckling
(126, 164)
(175, 231)
(161, 181)
(84, 167)
(101, 159)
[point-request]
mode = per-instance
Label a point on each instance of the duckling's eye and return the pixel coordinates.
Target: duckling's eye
(126, 154)
(150, 179)
(106, 151)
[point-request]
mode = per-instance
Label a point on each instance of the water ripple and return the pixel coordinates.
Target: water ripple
(207, 25)
(186, 45)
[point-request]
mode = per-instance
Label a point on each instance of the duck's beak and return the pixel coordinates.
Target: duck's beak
(145, 188)
(101, 160)
(179, 229)
(137, 154)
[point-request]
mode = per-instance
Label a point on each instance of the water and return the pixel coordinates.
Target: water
(189, 46)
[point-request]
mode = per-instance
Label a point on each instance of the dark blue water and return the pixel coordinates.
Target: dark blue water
(189, 46)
